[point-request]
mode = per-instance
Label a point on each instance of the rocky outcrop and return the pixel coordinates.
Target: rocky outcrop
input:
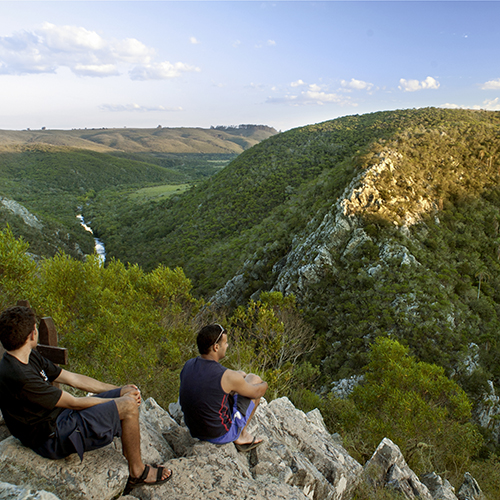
(299, 460)
(18, 209)
(387, 467)
(470, 490)
(439, 487)
(11, 492)
(324, 244)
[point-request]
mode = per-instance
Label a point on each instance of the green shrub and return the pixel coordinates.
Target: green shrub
(412, 403)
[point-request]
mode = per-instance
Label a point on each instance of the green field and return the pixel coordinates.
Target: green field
(156, 193)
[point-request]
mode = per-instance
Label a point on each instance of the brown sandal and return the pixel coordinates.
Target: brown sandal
(134, 482)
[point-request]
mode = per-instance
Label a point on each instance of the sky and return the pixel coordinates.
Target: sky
(93, 64)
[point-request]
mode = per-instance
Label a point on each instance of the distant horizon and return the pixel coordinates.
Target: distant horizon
(285, 64)
(48, 129)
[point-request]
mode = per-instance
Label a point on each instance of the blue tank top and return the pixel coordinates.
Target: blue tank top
(207, 408)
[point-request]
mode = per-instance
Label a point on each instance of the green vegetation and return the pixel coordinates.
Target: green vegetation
(412, 403)
(158, 192)
(55, 183)
(418, 294)
(146, 322)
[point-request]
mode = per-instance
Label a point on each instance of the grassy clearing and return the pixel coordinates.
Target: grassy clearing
(157, 193)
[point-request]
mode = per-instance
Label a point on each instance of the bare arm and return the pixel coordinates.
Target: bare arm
(83, 382)
(234, 381)
(73, 403)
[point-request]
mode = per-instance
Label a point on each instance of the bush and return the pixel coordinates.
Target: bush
(412, 403)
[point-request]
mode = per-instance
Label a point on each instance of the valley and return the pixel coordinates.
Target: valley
(330, 251)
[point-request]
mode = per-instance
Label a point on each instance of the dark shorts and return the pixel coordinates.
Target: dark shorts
(242, 409)
(78, 431)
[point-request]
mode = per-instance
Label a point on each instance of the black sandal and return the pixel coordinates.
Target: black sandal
(134, 482)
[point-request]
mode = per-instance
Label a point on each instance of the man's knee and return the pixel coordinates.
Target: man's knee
(127, 407)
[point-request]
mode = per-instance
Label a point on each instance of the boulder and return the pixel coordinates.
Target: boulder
(11, 492)
(320, 465)
(470, 490)
(387, 467)
(102, 474)
(440, 489)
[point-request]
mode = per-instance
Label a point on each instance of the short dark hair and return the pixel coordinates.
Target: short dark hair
(208, 336)
(16, 323)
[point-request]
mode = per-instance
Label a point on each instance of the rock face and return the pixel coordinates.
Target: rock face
(438, 487)
(339, 233)
(299, 460)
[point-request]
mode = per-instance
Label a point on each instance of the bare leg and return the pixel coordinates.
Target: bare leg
(244, 436)
(128, 410)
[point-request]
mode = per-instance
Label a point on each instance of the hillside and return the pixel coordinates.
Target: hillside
(382, 224)
(51, 183)
(220, 140)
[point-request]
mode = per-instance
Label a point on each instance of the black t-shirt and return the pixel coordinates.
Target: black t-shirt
(206, 407)
(27, 398)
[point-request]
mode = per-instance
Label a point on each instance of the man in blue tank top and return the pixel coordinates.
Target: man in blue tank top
(217, 402)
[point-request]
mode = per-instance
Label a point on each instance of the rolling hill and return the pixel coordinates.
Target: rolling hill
(220, 140)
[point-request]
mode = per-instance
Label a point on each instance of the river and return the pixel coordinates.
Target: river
(99, 245)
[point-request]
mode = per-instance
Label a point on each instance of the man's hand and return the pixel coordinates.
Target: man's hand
(131, 391)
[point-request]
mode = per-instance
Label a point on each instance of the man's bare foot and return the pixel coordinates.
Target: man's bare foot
(246, 438)
(248, 445)
(153, 474)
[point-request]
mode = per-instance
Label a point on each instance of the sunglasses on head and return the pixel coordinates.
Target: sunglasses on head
(222, 332)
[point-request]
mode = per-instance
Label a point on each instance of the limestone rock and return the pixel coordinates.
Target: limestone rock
(440, 489)
(11, 492)
(322, 468)
(217, 472)
(387, 467)
(470, 490)
(102, 474)
(18, 209)
(299, 459)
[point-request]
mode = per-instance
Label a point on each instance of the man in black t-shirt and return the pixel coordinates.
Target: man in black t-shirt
(56, 424)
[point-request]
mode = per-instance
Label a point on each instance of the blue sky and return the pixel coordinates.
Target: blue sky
(70, 64)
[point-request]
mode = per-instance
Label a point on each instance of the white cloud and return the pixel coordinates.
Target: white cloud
(451, 106)
(491, 104)
(314, 95)
(414, 85)
(271, 43)
(135, 107)
(84, 52)
(488, 104)
(194, 40)
(236, 43)
(298, 83)
(69, 38)
(357, 84)
(491, 85)
(160, 71)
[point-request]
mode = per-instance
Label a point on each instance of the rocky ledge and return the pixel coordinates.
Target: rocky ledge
(299, 460)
